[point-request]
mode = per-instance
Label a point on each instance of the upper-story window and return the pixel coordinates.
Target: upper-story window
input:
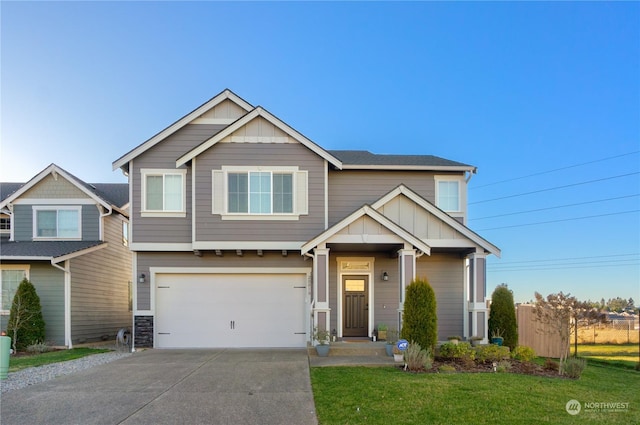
(448, 195)
(5, 224)
(266, 193)
(52, 222)
(163, 192)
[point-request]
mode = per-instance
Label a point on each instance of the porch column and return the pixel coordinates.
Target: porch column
(321, 308)
(478, 313)
(407, 272)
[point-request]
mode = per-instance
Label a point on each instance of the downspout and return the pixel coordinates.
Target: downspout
(102, 216)
(67, 301)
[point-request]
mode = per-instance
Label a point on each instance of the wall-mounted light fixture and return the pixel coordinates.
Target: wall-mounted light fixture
(385, 276)
(141, 278)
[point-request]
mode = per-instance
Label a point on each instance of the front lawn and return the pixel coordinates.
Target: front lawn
(24, 361)
(359, 395)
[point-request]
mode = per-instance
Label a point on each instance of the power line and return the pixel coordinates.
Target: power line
(577, 263)
(566, 259)
(556, 207)
(556, 188)
(556, 169)
(560, 220)
(564, 268)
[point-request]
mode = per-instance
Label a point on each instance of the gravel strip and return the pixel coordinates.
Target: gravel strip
(35, 375)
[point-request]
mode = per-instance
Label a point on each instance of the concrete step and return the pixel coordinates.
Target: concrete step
(353, 348)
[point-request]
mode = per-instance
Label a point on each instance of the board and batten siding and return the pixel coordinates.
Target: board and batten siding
(100, 287)
(351, 189)
(23, 222)
(445, 274)
(147, 260)
(211, 227)
(163, 156)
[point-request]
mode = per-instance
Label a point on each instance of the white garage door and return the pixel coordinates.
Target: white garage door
(230, 310)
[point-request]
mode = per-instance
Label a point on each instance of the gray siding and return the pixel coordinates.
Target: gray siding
(351, 189)
(23, 222)
(211, 227)
(100, 285)
(164, 155)
(445, 273)
(146, 260)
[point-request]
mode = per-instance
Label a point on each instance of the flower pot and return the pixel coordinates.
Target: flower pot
(398, 358)
(322, 350)
(497, 340)
(382, 335)
(389, 349)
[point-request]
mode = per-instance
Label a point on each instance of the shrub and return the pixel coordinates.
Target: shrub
(450, 350)
(417, 358)
(523, 353)
(491, 353)
(573, 367)
(26, 324)
(39, 347)
(502, 316)
(550, 364)
(420, 319)
(503, 366)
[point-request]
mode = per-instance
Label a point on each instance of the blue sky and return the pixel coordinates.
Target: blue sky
(541, 97)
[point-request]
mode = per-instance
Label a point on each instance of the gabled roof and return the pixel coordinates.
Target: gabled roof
(375, 215)
(440, 214)
(363, 160)
(55, 251)
(242, 121)
(107, 194)
(208, 105)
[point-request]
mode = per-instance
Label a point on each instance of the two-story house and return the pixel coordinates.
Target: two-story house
(70, 239)
(245, 233)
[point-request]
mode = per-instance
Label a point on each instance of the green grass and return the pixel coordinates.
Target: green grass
(18, 363)
(358, 395)
(624, 355)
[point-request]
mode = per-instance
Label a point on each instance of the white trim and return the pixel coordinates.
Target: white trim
(257, 112)
(36, 208)
(371, 289)
(156, 246)
(193, 201)
(25, 267)
(258, 139)
(451, 243)
(79, 253)
(207, 106)
(144, 172)
(257, 168)
(25, 258)
(248, 245)
(223, 121)
(266, 217)
(326, 194)
(461, 193)
(410, 167)
(54, 201)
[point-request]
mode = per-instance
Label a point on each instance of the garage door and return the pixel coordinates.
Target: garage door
(230, 310)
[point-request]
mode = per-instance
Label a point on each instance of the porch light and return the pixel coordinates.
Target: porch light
(141, 278)
(385, 276)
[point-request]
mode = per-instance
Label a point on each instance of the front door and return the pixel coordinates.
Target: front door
(355, 306)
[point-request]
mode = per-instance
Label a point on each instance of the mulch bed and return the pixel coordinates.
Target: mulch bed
(523, 368)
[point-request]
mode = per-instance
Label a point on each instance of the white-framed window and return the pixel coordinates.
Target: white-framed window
(57, 222)
(5, 224)
(163, 192)
(264, 193)
(448, 195)
(10, 277)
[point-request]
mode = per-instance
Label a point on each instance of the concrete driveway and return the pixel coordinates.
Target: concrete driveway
(230, 386)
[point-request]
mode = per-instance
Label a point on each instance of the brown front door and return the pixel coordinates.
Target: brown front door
(355, 306)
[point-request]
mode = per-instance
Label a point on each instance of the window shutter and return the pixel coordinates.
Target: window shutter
(302, 192)
(218, 195)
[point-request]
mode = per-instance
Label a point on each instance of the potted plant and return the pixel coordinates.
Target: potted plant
(392, 338)
(382, 332)
(475, 340)
(454, 339)
(496, 337)
(322, 337)
(398, 356)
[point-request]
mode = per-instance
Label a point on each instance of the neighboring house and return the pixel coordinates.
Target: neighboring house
(246, 233)
(69, 238)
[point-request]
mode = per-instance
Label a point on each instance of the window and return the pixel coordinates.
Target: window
(448, 195)
(163, 192)
(57, 222)
(10, 277)
(5, 224)
(260, 192)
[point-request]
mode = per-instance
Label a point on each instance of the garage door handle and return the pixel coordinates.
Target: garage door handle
(232, 324)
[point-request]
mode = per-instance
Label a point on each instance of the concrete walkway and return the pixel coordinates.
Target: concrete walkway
(174, 387)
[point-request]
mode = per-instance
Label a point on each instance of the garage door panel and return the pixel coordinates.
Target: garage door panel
(215, 310)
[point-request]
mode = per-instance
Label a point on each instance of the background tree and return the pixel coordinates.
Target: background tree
(502, 316)
(26, 325)
(420, 321)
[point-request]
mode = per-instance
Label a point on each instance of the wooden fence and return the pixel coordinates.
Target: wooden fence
(543, 338)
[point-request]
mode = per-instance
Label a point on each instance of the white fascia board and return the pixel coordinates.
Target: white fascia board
(226, 94)
(460, 168)
(258, 112)
(248, 245)
(25, 258)
(160, 247)
(437, 212)
(231, 270)
(79, 253)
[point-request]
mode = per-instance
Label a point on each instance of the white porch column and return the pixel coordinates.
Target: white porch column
(407, 272)
(321, 308)
(478, 316)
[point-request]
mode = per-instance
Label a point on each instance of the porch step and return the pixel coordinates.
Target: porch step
(355, 348)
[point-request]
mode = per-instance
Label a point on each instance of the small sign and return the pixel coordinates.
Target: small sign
(402, 344)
